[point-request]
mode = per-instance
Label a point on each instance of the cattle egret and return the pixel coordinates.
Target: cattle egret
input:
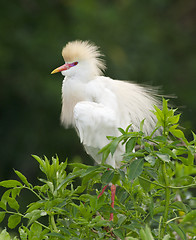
(96, 106)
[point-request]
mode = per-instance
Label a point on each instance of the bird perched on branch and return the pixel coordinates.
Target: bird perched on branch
(96, 106)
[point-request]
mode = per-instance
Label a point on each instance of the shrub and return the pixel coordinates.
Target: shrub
(154, 198)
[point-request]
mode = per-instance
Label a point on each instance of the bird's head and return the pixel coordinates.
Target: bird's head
(82, 59)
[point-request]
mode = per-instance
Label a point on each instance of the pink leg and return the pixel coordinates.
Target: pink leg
(113, 192)
(103, 190)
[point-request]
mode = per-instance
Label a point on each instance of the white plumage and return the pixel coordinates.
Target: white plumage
(96, 105)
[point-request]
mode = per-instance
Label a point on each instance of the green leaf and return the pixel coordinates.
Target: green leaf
(36, 228)
(69, 178)
(148, 147)
(190, 217)
(56, 235)
(158, 210)
(167, 151)
(194, 136)
(180, 206)
(151, 159)
(90, 170)
(107, 176)
(142, 125)
(152, 173)
(131, 238)
(13, 203)
(3, 205)
(165, 108)
(122, 131)
(113, 145)
(22, 178)
(65, 231)
(122, 174)
(190, 159)
(148, 233)
(122, 194)
(34, 215)
(163, 157)
(184, 160)
(119, 233)
(105, 154)
(99, 222)
(40, 161)
(135, 168)
(121, 219)
(131, 144)
(6, 196)
(127, 130)
(175, 119)
(145, 184)
(14, 220)
(80, 189)
(178, 230)
(10, 184)
(143, 234)
(160, 138)
(35, 205)
(184, 181)
(159, 116)
(15, 192)
(4, 235)
(23, 234)
(116, 178)
(79, 165)
(177, 133)
(166, 237)
(2, 215)
(93, 202)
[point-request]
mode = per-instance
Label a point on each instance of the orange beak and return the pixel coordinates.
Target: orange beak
(61, 68)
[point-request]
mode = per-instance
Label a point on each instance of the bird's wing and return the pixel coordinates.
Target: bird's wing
(93, 122)
(112, 104)
(136, 104)
(133, 103)
(96, 118)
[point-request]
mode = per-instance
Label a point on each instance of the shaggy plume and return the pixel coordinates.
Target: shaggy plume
(84, 51)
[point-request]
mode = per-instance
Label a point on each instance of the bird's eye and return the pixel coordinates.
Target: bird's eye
(73, 64)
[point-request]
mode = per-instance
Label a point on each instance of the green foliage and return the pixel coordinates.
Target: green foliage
(153, 200)
(152, 42)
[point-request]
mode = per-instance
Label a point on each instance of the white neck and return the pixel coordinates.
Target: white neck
(73, 89)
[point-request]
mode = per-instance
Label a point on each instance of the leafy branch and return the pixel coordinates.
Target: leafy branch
(154, 198)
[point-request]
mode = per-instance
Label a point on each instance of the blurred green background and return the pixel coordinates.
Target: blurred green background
(150, 42)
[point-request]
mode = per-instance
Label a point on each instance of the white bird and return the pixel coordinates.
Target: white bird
(96, 106)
